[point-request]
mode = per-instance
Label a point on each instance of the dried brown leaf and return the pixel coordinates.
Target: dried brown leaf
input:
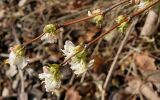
(137, 86)
(98, 61)
(88, 36)
(72, 94)
(144, 61)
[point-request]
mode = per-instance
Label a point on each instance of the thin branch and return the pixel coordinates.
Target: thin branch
(83, 76)
(126, 19)
(35, 39)
(80, 20)
(89, 17)
(130, 29)
(21, 79)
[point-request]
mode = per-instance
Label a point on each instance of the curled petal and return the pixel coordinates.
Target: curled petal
(50, 85)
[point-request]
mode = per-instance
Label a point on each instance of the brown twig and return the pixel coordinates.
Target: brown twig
(22, 80)
(89, 17)
(80, 20)
(35, 39)
(126, 19)
(121, 46)
(116, 58)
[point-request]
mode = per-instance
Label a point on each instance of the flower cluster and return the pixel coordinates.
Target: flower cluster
(78, 62)
(51, 33)
(97, 19)
(123, 26)
(51, 76)
(16, 57)
(75, 55)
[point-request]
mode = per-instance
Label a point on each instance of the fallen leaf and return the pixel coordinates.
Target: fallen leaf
(98, 61)
(121, 95)
(154, 78)
(72, 94)
(144, 61)
(133, 86)
(90, 34)
(137, 86)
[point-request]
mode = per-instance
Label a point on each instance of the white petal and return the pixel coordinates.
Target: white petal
(49, 38)
(11, 59)
(22, 63)
(75, 66)
(80, 71)
(44, 75)
(45, 36)
(89, 13)
(18, 61)
(78, 67)
(51, 84)
(69, 48)
(69, 44)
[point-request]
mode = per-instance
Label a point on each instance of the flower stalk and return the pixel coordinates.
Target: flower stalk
(125, 19)
(79, 20)
(94, 15)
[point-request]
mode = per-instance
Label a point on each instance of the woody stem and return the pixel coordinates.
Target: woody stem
(94, 15)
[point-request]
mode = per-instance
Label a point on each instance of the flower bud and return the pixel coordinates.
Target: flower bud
(51, 33)
(97, 19)
(123, 25)
(16, 57)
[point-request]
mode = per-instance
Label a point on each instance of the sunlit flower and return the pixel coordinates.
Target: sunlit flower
(78, 62)
(51, 76)
(70, 49)
(51, 33)
(97, 19)
(16, 57)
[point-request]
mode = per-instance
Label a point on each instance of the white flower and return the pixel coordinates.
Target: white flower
(51, 33)
(97, 19)
(49, 38)
(16, 57)
(50, 82)
(70, 49)
(51, 77)
(80, 67)
(94, 12)
(78, 62)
